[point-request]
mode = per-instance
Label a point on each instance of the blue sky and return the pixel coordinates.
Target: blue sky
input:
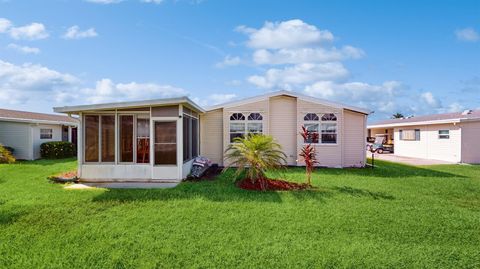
(413, 57)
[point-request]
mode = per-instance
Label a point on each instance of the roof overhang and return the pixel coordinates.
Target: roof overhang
(291, 94)
(126, 105)
(34, 121)
(414, 123)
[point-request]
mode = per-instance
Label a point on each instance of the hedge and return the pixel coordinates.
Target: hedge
(6, 155)
(57, 150)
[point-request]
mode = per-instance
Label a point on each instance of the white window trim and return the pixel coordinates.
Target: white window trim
(444, 136)
(320, 122)
(49, 133)
(245, 122)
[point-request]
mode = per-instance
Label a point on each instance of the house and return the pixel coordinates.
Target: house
(451, 137)
(158, 139)
(26, 131)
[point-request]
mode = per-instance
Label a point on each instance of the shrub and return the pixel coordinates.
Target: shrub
(254, 155)
(57, 150)
(6, 155)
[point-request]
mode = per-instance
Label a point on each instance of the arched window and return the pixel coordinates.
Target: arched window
(311, 117)
(237, 116)
(329, 117)
(255, 116)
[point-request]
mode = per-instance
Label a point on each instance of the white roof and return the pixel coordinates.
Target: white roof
(133, 104)
(292, 94)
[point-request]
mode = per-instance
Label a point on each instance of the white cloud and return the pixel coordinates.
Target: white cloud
(105, 2)
(31, 31)
(23, 49)
(298, 75)
(229, 61)
(455, 107)
(287, 34)
(20, 83)
(4, 25)
(106, 90)
(302, 55)
(215, 99)
(467, 34)
(376, 97)
(430, 99)
(74, 32)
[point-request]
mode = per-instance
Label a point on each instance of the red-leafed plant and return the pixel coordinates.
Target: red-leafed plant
(308, 152)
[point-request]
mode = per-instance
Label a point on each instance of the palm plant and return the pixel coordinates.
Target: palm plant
(308, 153)
(397, 116)
(254, 155)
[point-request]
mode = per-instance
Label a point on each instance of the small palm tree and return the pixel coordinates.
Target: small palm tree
(397, 116)
(254, 155)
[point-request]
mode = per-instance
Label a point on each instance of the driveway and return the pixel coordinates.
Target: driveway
(406, 160)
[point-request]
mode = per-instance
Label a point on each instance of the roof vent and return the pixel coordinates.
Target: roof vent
(467, 112)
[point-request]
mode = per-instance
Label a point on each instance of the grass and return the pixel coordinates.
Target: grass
(394, 216)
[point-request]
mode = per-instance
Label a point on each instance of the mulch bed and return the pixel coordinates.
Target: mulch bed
(211, 173)
(65, 177)
(271, 185)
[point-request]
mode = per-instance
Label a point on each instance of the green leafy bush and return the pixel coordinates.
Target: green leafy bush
(57, 150)
(6, 155)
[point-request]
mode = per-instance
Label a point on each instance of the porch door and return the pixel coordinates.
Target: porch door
(165, 148)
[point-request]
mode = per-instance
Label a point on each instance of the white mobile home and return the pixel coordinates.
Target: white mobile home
(451, 137)
(26, 131)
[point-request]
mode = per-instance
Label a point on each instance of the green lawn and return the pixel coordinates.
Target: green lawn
(394, 216)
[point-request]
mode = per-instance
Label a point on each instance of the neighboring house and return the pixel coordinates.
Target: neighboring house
(158, 139)
(26, 131)
(449, 137)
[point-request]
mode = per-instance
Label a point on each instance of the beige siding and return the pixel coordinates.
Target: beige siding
(56, 136)
(329, 155)
(283, 125)
(470, 142)
(430, 146)
(354, 139)
(211, 135)
(18, 136)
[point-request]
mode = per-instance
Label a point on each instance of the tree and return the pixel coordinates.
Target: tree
(397, 116)
(254, 155)
(308, 153)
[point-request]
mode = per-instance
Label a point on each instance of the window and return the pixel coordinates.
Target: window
(322, 130)
(46, 133)
(190, 137)
(443, 134)
(107, 125)
(143, 139)
(410, 135)
(165, 142)
(92, 124)
(312, 129)
(99, 138)
(311, 117)
(239, 126)
(255, 116)
(126, 138)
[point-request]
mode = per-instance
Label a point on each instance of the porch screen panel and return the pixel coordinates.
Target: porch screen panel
(194, 138)
(165, 143)
(126, 138)
(91, 138)
(108, 138)
(143, 140)
(186, 138)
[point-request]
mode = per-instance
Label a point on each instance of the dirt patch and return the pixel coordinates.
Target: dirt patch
(271, 185)
(211, 173)
(65, 177)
